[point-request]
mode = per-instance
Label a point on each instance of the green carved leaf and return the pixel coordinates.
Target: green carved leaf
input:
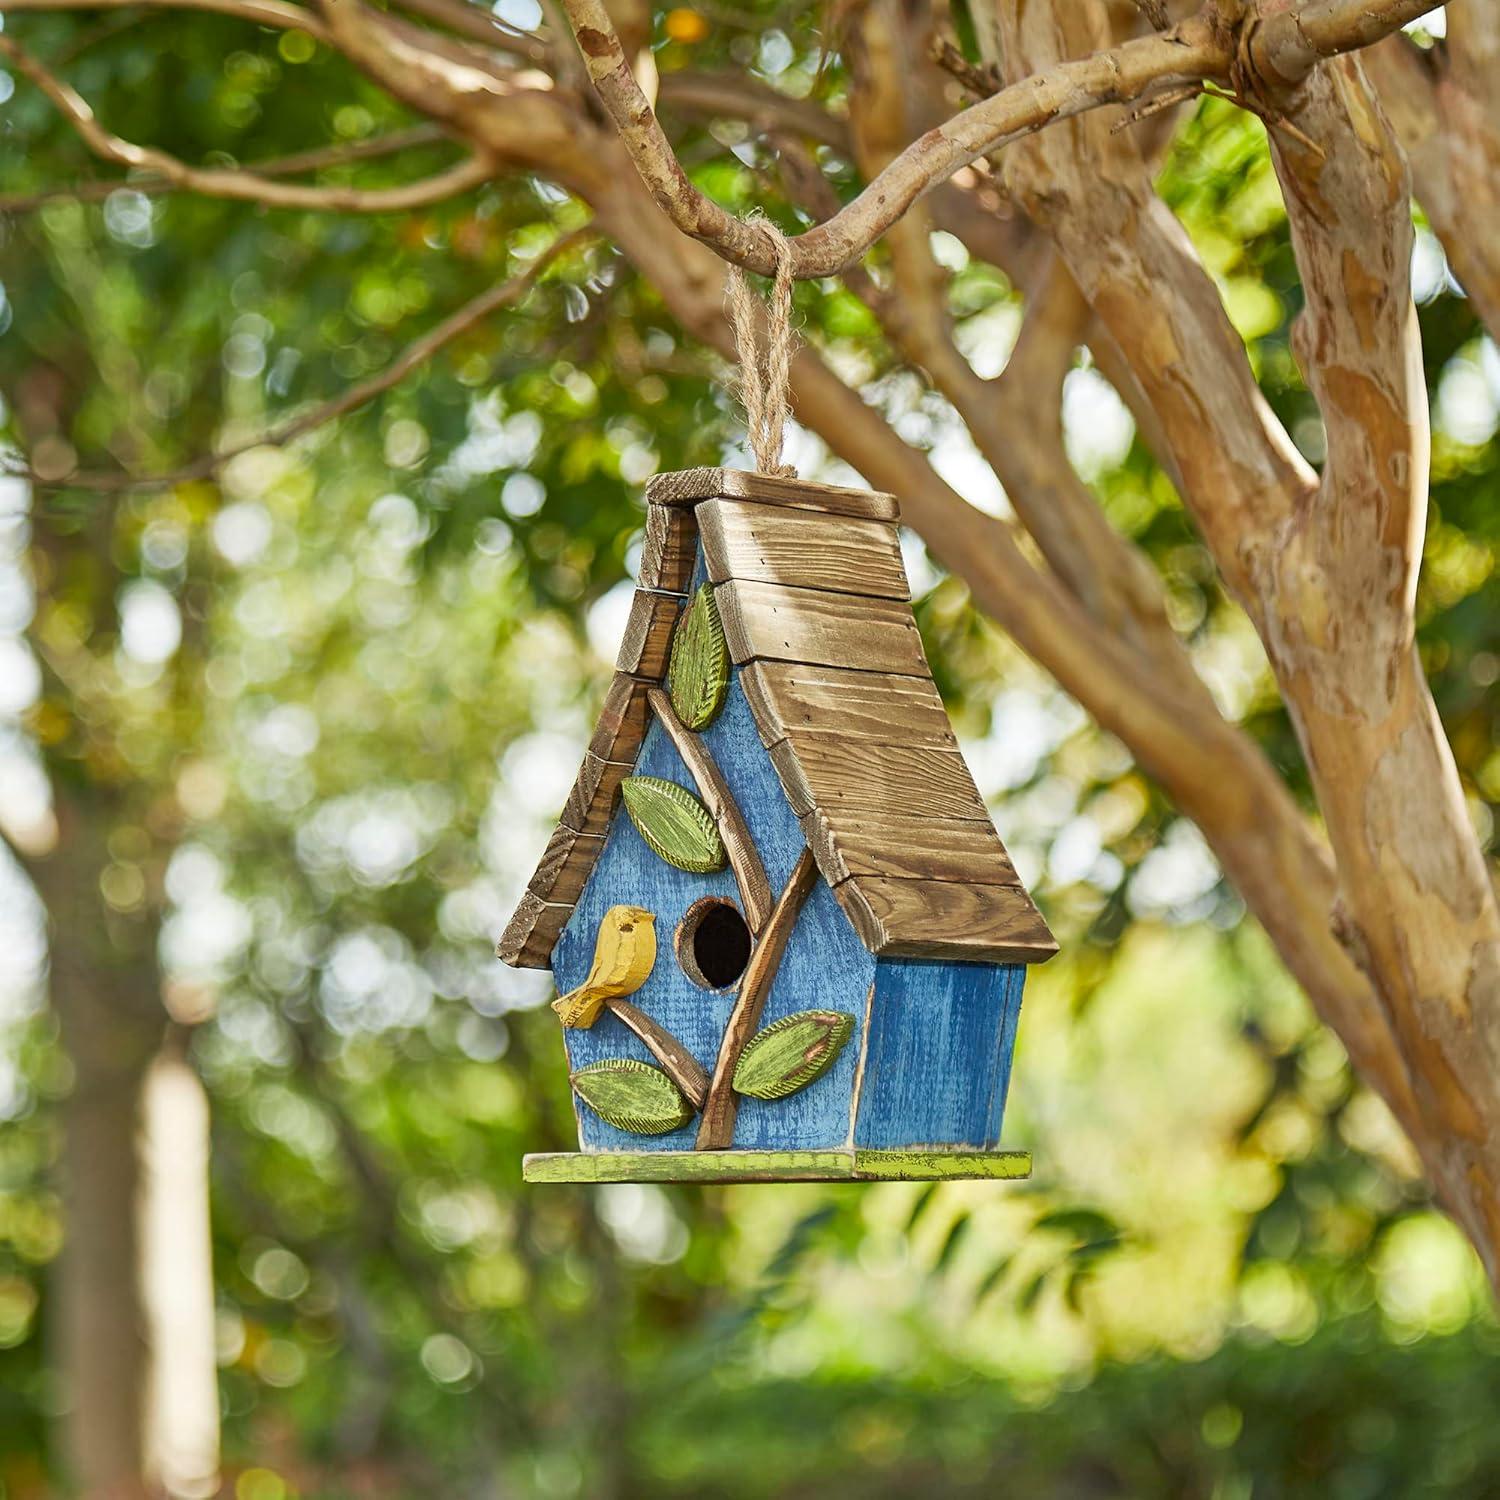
(632, 1096)
(698, 677)
(791, 1053)
(676, 825)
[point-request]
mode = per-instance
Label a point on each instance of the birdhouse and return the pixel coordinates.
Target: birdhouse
(787, 940)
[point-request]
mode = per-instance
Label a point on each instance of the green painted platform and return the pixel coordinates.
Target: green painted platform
(774, 1166)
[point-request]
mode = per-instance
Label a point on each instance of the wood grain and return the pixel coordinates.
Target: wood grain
(789, 696)
(595, 795)
(908, 1165)
(670, 549)
(621, 725)
(647, 641)
(677, 1062)
(744, 858)
(716, 1128)
(876, 781)
(767, 621)
(688, 486)
(801, 549)
(944, 919)
(565, 865)
(848, 844)
(939, 1042)
(532, 932)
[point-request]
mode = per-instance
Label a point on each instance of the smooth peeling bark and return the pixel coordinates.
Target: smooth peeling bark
(1418, 906)
(1445, 108)
(1326, 570)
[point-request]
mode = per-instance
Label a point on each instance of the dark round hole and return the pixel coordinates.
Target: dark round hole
(713, 943)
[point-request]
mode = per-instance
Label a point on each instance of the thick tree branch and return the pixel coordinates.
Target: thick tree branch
(1275, 46)
(1327, 571)
(412, 357)
(1445, 107)
(1417, 906)
(218, 182)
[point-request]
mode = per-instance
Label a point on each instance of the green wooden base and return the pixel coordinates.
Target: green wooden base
(913, 1165)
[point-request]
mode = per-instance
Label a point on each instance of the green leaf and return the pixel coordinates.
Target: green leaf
(791, 1053)
(698, 677)
(676, 825)
(632, 1096)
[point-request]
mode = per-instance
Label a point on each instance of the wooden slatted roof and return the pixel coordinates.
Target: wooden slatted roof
(816, 609)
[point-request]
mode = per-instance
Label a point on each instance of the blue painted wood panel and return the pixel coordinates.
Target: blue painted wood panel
(825, 964)
(938, 1065)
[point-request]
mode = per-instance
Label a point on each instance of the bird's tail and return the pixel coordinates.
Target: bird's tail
(580, 1007)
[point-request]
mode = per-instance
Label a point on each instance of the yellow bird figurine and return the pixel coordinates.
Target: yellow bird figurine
(624, 955)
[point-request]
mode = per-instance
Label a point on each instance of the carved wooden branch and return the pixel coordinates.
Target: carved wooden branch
(716, 1129)
(677, 1062)
(1277, 44)
(744, 858)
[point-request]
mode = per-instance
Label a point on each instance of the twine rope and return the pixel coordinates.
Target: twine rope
(765, 372)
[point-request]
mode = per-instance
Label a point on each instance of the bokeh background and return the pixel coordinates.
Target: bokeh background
(311, 720)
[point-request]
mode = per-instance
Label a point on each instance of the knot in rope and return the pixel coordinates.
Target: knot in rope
(765, 373)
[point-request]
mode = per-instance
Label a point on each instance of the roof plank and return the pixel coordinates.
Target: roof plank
(647, 642)
(621, 725)
(799, 548)
(788, 697)
(865, 779)
(592, 801)
(910, 848)
(768, 621)
(565, 865)
(689, 486)
(946, 919)
(532, 932)
(670, 550)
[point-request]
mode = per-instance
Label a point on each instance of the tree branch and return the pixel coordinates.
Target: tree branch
(1274, 46)
(244, 186)
(415, 354)
(716, 1126)
(1446, 111)
(277, 13)
(1417, 906)
(744, 858)
(277, 166)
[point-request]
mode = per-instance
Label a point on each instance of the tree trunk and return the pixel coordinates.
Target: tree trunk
(133, 1285)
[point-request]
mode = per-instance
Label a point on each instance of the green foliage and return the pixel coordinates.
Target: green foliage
(791, 1053)
(632, 1095)
(676, 826)
(698, 675)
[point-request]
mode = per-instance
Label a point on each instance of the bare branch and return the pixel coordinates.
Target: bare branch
(1272, 48)
(482, 26)
(278, 13)
(277, 166)
(415, 354)
(243, 186)
(738, 96)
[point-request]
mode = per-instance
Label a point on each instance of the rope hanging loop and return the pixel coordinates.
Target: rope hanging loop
(765, 373)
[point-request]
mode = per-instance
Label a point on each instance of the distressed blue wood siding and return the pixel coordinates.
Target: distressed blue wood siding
(825, 963)
(938, 1063)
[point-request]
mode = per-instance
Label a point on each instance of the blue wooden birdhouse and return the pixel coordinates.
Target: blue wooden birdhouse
(787, 941)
